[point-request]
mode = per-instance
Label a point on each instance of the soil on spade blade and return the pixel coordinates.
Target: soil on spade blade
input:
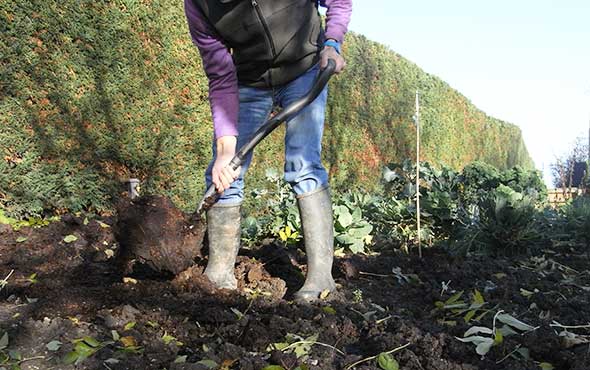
(61, 289)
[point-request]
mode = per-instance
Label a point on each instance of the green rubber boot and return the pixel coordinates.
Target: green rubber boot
(315, 209)
(223, 229)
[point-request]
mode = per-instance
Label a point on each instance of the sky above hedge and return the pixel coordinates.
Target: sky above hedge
(525, 62)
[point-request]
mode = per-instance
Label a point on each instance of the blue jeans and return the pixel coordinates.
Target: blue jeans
(303, 138)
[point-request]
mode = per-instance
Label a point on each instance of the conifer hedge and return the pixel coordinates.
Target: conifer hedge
(95, 92)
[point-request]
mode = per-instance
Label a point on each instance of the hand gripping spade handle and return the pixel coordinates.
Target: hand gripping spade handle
(286, 114)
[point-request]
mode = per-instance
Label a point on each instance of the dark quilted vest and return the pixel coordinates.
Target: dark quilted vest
(272, 41)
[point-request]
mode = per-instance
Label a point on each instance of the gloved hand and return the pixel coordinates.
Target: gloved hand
(222, 175)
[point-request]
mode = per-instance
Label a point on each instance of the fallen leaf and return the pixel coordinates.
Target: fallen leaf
(226, 364)
(210, 364)
(477, 330)
(70, 238)
(54, 345)
(75, 320)
(154, 324)
(4, 341)
(329, 310)
(128, 280)
(387, 362)
(128, 341)
(515, 323)
(570, 340)
(477, 297)
(130, 325)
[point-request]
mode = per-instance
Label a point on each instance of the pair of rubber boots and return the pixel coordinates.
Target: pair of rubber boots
(315, 209)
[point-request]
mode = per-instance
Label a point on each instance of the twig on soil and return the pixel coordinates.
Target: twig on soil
(312, 342)
(567, 268)
(31, 359)
(445, 286)
(508, 355)
(5, 280)
(562, 296)
(383, 319)
(555, 324)
(374, 357)
(249, 306)
(371, 274)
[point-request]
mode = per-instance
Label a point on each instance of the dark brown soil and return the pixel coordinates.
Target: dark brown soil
(152, 231)
(79, 291)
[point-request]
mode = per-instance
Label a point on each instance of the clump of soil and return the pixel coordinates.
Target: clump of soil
(66, 291)
(251, 275)
(152, 231)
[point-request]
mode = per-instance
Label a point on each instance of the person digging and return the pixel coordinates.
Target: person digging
(258, 54)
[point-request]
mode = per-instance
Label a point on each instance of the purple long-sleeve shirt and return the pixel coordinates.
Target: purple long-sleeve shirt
(221, 71)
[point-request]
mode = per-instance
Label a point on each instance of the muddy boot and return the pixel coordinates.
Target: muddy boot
(315, 209)
(223, 228)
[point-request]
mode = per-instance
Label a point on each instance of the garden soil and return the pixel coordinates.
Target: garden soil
(64, 284)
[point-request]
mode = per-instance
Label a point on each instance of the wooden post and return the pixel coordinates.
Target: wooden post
(417, 121)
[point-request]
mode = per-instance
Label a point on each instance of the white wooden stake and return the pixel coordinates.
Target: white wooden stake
(417, 121)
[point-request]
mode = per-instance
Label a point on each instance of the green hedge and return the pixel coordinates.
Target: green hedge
(371, 110)
(95, 92)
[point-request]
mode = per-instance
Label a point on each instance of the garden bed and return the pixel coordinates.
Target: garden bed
(66, 300)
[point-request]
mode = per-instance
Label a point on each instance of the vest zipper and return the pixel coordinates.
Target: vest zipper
(266, 29)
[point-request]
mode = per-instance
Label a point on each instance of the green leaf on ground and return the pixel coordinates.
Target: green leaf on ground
(167, 339)
(180, 360)
(54, 345)
(70, 238)
(210, 364)
(387, 362)
(130, 325)
(478, 298)
(153, 324)
(91, 342)
(4, 341)
(21, 239)
(515, 323)
(70, 358)
(329, 310)
(468, 316)
(15, 355)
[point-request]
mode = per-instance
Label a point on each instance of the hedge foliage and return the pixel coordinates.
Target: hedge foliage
(95, 92)
(371, 119)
